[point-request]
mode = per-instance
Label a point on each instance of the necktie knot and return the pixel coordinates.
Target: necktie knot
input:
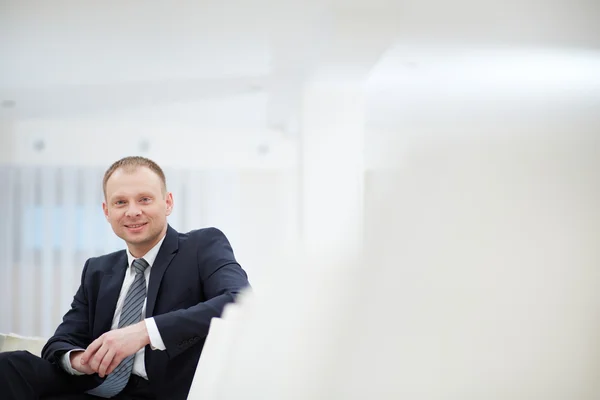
(140, 265)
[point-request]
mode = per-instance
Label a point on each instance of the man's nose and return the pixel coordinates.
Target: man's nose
(133, 210)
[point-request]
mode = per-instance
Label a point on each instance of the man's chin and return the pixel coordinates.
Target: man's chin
(135, 239)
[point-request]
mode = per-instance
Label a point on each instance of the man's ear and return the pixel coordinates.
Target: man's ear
(105, 209)
(169, 200)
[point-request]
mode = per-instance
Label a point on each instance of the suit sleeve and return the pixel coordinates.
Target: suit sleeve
(222, 279)
(74, 331)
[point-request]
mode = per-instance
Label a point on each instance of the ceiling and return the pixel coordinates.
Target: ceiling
(69, 58)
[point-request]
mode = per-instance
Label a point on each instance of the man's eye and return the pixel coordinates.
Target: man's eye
(146, 199)
(120, 202)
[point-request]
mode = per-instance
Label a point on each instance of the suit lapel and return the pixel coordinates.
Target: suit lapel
(166, 253)
(110, 287)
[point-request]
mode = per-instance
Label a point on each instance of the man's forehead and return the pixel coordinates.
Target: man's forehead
(134, 174)
(132, 191)
(124, 180)
(132, 170)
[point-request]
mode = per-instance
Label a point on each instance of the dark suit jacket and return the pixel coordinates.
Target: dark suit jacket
(192, 279)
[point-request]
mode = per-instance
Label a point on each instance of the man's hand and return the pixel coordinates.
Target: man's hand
(104, 354)
(75, 358)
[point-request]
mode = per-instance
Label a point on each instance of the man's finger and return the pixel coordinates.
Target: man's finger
(97, 358)
(106, 362)
(114, 364)
(91, 350)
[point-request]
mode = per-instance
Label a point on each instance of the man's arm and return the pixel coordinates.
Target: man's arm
(222, 279)
(74, 332)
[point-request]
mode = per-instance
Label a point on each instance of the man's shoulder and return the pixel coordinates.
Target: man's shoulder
(202, 234)
(204, 239)
(208, 245)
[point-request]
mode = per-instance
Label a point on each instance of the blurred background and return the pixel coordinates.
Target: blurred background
(288, 124)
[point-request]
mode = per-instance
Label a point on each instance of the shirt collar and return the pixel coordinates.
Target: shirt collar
(150, 256)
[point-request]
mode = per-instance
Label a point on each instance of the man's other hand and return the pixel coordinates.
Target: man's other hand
(75, 358)
(104, 354)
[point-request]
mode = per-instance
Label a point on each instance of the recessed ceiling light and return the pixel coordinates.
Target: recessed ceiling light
(144, 145)
(39, 145)
(255, 87)
(263, 149)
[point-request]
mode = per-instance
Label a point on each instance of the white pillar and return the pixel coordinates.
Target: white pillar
(331, 167)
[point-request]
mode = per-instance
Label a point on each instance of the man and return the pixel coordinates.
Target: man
(105, 347)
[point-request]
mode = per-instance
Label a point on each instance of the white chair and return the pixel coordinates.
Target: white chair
(215, 354)
(12, 342)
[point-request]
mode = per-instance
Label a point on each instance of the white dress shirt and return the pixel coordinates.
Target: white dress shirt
(156, 342)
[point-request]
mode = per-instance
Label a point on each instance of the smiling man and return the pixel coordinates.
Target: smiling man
(138, 322)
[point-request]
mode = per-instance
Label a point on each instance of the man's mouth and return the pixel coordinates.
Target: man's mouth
(134, 226)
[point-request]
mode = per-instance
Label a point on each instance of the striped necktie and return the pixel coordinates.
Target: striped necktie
(130, 314)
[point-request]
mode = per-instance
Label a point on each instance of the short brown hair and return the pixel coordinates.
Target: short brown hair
(130, 164)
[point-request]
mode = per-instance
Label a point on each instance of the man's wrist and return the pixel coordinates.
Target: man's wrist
(144, 332)
(67, 361)
(74, 353)
(156, 341)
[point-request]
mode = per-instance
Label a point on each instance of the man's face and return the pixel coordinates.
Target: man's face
(137, 208)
